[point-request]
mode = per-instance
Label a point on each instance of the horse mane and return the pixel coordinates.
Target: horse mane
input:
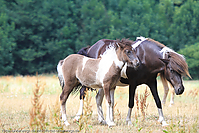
(125, 41)
(157, 43)
(178, 63)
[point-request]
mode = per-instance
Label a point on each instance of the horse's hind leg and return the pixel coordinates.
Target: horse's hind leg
(63, 97)
(166, 89)
(80, 111)
(172, 97)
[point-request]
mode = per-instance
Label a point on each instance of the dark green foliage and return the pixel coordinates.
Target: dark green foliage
(36, 34)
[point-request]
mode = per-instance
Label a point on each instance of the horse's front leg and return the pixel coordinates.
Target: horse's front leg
(99, 98)
(112, 91)
(109, 103)
(132, 89)
(153, 88)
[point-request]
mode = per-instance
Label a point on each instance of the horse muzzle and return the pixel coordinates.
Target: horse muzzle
(136, 63)
(179, 90)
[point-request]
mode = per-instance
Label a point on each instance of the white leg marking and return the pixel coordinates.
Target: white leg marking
(161, 118)
(128, 118)
(64, 119)
(80, 111)
(108, 113)
(112, 104)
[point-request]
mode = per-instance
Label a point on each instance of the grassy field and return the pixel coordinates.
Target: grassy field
(17, 108)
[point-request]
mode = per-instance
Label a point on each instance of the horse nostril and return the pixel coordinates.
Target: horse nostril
(137, 63)
(180, 91)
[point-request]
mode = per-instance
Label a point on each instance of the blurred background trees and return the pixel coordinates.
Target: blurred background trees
(36, 34)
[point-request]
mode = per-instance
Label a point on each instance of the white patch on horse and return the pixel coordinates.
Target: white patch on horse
(123, 72)
(166, 49)
(85, 59)
(80, 111)
(139, 41)
(108, 58)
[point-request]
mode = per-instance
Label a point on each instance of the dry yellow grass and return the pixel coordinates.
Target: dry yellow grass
(15, 104)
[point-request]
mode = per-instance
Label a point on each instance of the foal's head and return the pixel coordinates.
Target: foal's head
(126, 53)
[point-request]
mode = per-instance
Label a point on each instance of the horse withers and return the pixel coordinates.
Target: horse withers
(103, 73)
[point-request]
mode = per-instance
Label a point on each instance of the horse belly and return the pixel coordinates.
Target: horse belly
(121, 84)
(87, 75)
(89, 80)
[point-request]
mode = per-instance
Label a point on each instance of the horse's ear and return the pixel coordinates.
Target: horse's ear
(121, 45)
(117, 44)
(166, 61)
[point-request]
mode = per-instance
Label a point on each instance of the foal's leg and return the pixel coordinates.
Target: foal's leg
(153, 87)
(63, 97)
(109, 94)
(82, 96)
(112, 91)
(99, 98)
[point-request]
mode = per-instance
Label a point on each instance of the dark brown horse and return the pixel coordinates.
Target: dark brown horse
(103, 72)
(155, 58)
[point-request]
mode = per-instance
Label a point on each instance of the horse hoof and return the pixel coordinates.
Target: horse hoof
(76, 119)
(164, 124)
(66, 123)
(129, 123)
(171, 104)
(103, 122)
(111, 124)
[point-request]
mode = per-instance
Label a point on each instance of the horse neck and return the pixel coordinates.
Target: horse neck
(149, 54)
(111, 56)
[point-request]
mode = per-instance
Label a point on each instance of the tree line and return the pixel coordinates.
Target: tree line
(36, 34)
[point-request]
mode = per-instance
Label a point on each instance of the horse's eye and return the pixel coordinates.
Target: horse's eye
(128, 51)
(172, 71)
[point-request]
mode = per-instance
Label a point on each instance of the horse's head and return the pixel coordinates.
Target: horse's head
(127, 53)
(83, 51)
(175, 67)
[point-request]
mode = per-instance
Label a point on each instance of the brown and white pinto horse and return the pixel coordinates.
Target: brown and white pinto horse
(155, 58)
(103, 72)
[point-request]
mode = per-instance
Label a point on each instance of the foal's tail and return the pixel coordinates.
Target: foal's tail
(60, 73)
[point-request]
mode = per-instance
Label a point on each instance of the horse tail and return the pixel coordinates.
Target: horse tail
(60, 73)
